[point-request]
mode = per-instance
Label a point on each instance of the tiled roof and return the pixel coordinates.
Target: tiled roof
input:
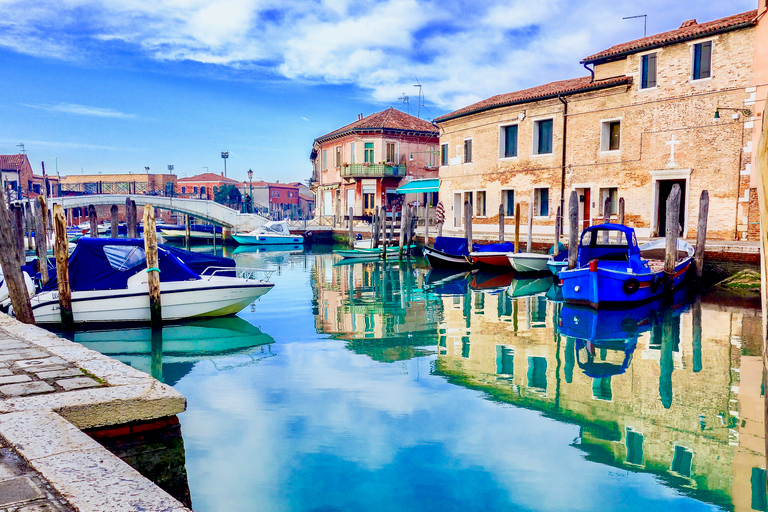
(550, 90)
(208, 176)
(688, 30)
(389, 119)
(14, 162)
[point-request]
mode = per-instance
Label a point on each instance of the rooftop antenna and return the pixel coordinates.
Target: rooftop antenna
(421, 97)
(22, 151)
(645, 21)
(404, 99)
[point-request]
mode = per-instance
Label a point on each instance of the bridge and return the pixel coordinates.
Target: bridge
(210, 211)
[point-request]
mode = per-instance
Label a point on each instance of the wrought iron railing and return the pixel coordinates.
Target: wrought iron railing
(372, 170)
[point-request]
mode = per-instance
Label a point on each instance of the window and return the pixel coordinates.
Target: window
(369, 152)
(352, 153)
(613, 193)
(648, 71)
(634, 447)
(202, 190)
(508, 200)
(183, 190)
(444, 154)
(702, 60)
(681, 462)
(338, 156)
(391, 156)
(325, 159)
(195, 190)
(508, 138)
(124, 257)
(468, 151)
(757, 481)
(610, 136)
(541, 202)
(537, 373)
(480, 203)
(29, 185)
(542, 137)
(505, 360)
(601, 388)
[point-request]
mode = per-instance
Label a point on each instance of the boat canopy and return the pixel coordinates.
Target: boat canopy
(198, 262)
(608, 242)
(107, 263)
(417, 186)
(278, 227)
(498, 247)
(456, 246)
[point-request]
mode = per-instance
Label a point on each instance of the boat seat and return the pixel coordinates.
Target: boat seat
(614, 256)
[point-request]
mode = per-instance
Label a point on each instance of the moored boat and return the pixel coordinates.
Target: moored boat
(448, 253)
(197, 232)
(615, 271)
(528, 262)
(493, 257)
(392, 251)
(557, 263)
(108, 279)
(271, 233)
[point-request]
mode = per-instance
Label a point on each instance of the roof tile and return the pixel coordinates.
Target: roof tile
(207, 176)
(389, 119)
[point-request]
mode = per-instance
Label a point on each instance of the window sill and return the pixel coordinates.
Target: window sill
(537, 155)
(541, 216)
(610, 151)
(644, 89)
(700, 80)
(508, 158)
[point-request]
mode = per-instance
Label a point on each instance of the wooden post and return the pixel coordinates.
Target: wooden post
(214, 235)
(558, 223)
(351, 229)
(93, 221)
(619, 235)
(18, 231)
(517, 227)
(696, 337)
(672, 228)
(573, 235)
(114, 222)
(468, 224)
(501, 223)
(761, 166)
(403, 215)
(29, 222)
(61, 251)
(130, 218)
(606, 217)
(11, 265)
(439, 229)
(41, 239)
(392, 229)
(153, 272)
(426, 227)
(529, 239)
(375, 230)
(187, 231)
(701, 234)
(412, 231)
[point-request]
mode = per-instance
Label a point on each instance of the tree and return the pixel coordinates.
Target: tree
(228, 195)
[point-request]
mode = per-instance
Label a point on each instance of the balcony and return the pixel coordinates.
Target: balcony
(372, 171)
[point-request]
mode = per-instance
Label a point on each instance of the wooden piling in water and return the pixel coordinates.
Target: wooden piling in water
(672, 229)
(468, 224)
(29, 222)
(426, 227)
(187, 231)
(573, 235)
(130, 218)
(619, 235)
(93, 221)
(701, 234)
(392, 229)
(529, 238)
(383, 216)
(153, 272)
(61, 251)
(17, 218)
(41, 239)
(114, 222)
(607, 218)
(351, 229)
(501, 223)
(375, 230)
(403, 215)
(11, 265)
(558, 222)
(412, 230)
(517, 227)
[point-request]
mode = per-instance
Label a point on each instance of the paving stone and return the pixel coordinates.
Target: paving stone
(17, 491)
(31, 362)
(13, 344)
(18, 355)
(52, 374)
(77, 383)
(26, 388)
(52, 368)
(4, 372)
(12, 379)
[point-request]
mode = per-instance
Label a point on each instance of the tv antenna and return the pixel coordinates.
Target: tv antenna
(22, 151)
(421, 97)
(404, 99)
(645, 21)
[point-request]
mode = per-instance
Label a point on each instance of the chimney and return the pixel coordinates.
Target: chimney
(688, 23)
(222, 174)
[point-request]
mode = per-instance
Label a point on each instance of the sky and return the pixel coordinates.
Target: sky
(110, 86)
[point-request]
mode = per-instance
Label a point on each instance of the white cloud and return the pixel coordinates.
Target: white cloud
(82, 110)
(460, 51)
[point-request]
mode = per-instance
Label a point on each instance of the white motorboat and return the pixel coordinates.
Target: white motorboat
(529, 262)
(197, 232)
(270, 233)
(108, 279)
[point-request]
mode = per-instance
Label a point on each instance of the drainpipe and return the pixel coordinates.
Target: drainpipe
(591, 72)
(562, 172)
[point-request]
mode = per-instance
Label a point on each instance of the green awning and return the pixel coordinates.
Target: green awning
(415, 186)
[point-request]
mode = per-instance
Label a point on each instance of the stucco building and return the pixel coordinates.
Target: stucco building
(202, 186)
(20, 181)
(643, 121)
(361, 165)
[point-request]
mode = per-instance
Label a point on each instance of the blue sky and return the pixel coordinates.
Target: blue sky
(113, 86)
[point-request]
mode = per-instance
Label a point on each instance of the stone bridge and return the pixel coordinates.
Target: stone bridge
(210, 211)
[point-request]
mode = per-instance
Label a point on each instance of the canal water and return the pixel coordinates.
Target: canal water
(384, 386)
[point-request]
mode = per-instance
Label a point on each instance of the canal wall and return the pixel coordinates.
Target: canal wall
(51, 389)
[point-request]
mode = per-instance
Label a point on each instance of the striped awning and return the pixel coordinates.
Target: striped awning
(415, 186)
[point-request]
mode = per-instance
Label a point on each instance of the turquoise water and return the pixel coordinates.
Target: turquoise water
(381, 387)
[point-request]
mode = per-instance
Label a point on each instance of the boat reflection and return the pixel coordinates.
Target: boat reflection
(246, 249)
(170, 353)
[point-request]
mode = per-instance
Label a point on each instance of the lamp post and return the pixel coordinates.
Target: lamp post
(250, 194)
(225, 155)
(173, 185)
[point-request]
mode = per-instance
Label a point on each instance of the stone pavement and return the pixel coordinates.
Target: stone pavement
(50, 388)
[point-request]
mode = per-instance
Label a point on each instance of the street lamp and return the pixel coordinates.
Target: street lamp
(250, 179)
(225, 155)
(173, 186)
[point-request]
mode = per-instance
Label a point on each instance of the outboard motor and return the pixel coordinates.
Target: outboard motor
(308, 237)
(359, 236)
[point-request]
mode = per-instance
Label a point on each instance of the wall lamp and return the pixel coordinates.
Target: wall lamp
(743, 111)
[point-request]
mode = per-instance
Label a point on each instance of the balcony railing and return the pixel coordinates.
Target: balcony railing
(372, 170)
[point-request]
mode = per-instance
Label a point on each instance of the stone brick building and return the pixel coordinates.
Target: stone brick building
(129, 183)
(20, 181)
(362, 164)
(643, 121)
(202, 186)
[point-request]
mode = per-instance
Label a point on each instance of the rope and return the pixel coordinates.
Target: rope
(151, 269)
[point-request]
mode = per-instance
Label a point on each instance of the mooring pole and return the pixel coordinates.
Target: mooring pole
(621, 218)
(187, 231)
(529, 239)
(426, 227)
(573, 235)
(61, 251)
(114, 221)
(701, 234)
(403, 215)
(761, 166)
(41, 239)
(351, 229)
(11, 265)
(558, 222)
(153, 272)
(92, 220)
(672, 228)
(412, 230)
(383, 218)
(607, 217)
(501, 223)
(468, 224)
(17, 218)
(517, 227)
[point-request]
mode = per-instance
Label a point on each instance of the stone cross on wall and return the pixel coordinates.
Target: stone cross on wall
(672, 143)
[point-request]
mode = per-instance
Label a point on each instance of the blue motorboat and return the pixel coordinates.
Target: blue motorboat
(614, 271)
(448, 253)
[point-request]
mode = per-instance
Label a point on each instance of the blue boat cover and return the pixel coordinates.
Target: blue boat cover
(500, 247)
(199, 262)
(455, 246)
(107, 263)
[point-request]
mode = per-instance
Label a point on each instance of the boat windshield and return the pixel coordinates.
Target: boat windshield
(605, 237)
(123, 257)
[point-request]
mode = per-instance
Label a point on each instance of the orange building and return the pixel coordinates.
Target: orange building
(202, 186)
(21, 182)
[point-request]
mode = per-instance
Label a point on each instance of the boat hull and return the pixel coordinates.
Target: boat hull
(359, 254)
(440, 259)
(268, 239)
(528, 262)
(175, 234)
(206, 297)
(492, 261)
